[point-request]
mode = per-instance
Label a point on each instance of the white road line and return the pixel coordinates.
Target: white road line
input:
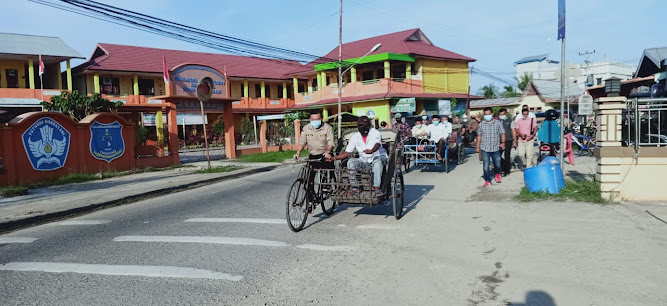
(124, 270)
(339, 248)
(378, 226)
(17, 240)
(201, 239)
(83, 222)
(236, 220)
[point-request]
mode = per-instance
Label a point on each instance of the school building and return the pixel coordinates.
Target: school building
(406, 74)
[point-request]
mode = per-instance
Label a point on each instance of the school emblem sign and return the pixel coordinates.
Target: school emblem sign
(106, 141)
(46, 143)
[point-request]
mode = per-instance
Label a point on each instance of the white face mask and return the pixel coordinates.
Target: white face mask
(502, 117)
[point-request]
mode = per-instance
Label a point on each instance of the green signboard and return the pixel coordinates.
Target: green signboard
(405, 105)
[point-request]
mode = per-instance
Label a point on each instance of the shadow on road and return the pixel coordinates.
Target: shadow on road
(535, 298)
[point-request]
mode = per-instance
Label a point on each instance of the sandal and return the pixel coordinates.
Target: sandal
(378, 193)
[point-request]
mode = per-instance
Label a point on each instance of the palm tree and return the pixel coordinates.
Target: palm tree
(489, 91)
(522, 82)
(509, 92)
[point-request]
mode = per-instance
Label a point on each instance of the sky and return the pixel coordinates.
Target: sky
(495, 33)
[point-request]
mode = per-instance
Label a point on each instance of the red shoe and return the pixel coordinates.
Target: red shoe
(487, 184)
(498, 178)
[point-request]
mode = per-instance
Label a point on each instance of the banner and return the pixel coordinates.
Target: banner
(405, 105)
(106, 141)
(445, 107)
(561, 19)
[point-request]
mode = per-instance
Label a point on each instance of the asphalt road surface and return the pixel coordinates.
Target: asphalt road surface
(228, 244)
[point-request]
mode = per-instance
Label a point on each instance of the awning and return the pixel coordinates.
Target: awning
(18, 102)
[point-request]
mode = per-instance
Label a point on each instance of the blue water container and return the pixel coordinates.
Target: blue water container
(544, 177)
(550, 160)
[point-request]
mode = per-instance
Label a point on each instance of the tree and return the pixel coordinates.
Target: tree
(522, 82)
(489, 91)
(509, 92)
(79, 106)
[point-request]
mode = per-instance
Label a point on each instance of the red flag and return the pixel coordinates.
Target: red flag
(41, 65)
(165, 73)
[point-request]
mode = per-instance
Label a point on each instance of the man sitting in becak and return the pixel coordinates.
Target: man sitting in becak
(368, 142)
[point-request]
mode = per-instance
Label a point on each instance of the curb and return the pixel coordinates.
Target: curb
(14, 225)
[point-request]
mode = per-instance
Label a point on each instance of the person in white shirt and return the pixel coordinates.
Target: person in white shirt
(439, 133)
(368, 143)
(530, 114)
(419, 131)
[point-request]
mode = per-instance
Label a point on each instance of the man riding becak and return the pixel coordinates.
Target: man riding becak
(368, 142)
(317, 136)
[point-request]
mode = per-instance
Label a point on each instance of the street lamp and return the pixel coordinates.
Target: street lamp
(340, 81)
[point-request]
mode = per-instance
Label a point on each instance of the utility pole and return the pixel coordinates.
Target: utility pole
(561, 36)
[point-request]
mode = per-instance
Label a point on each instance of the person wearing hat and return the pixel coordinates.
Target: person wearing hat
(368, 143)
(402, 128)
(425, 119)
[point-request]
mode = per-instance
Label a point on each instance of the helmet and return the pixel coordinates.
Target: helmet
(551, 115)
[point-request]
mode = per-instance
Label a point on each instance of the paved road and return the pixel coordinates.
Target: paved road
(227, 244)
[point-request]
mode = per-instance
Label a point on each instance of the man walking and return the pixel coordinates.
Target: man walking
(510, 135)
(490, 140)
(525, 129)
(403, 128)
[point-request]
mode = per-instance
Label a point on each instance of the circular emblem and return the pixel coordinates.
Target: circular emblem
(370, 114)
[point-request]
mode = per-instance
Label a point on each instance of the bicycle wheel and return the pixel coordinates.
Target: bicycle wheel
(297, 208)
(397, 194)
(328, 190)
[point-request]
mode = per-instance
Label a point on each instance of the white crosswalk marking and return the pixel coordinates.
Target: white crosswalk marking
(82, 222)
(17, 240)
(202, 239)
(339, 248)
(237, 220)
(124, 270)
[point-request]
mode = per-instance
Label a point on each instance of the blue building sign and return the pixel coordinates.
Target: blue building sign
(106, 141)
(46, 143)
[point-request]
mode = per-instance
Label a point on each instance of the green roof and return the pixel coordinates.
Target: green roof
(367, 59)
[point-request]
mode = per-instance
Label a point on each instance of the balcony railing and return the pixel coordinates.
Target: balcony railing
(262, 103)
(363, 88)
(27, 93)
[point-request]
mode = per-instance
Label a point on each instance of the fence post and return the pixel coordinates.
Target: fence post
(297, 131)
(262, 136)
(609, 154)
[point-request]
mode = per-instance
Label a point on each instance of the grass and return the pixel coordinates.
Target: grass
(220, 169)
(580, 191)
(73, 178)
(269, 157)
(13, 191)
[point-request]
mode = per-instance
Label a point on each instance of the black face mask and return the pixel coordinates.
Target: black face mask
(364, 130)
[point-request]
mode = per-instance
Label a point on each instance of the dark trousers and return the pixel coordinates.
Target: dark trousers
(506, 162)
(441, 147)
(322, 164)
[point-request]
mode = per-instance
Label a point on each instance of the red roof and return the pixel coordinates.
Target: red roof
(111, 57)
(405, 42)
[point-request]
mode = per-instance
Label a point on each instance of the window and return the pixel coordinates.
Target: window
(398, 72)
(242, 90)
(110, 86)
(367, 75)
(280, 91)
(301, 87)
(380, 73)
(313, 84)
(599, 81)
(267, 90)
(258, 90)
(290, 92)
(413, 68)
(147, 87)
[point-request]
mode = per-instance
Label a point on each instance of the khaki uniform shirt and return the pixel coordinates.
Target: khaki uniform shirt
(317, 140)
